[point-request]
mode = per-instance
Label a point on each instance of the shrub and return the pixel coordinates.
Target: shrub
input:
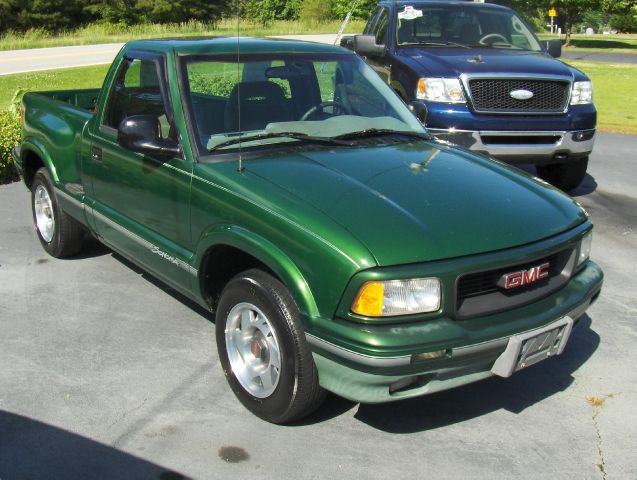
(266, 11)
(212, 84)
(626, 23)
(316, 10)
(10, 136)
(363, 10)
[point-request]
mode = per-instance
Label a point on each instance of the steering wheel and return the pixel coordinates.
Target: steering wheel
(335, 104)
(494, 37)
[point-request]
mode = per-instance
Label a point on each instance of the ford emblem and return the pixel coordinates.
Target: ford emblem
(521, 94)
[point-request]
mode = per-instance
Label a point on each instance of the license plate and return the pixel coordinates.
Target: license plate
(532, 347)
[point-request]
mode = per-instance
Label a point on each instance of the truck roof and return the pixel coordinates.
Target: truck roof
(437, 3)
(221, 45)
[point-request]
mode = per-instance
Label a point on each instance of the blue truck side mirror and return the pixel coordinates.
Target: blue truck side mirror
(554, 48)
(365, 46)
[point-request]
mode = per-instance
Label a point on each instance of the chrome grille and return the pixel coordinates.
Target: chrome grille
(493, 95)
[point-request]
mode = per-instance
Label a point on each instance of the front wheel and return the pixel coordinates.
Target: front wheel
(60, 235)
(263, 351)
(565, 176)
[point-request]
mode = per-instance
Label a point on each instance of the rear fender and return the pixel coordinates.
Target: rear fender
(31, 145)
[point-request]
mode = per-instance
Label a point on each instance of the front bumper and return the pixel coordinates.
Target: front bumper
(375, 379)
(539, 147)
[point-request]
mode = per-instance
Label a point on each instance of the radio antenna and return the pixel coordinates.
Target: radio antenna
(240, 167)
(345, 22)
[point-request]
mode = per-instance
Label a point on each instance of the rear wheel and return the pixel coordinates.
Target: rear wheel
(60, 235)
(263, 351)
(566, 176)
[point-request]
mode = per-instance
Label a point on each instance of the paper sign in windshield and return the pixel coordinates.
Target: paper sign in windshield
(409, 13)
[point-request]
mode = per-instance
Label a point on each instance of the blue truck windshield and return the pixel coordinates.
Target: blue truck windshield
(455, 25)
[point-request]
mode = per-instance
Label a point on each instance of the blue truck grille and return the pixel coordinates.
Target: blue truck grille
(493, 95)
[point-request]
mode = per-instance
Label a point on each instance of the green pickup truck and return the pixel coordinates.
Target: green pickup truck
(285, 187)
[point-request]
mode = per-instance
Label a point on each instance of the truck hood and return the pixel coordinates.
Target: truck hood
(453, 62)
(422, 201)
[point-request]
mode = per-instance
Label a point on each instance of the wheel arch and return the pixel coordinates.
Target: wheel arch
(226, 250)
(33, 156)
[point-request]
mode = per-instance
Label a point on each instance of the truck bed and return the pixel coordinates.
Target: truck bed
(86, 99)
(53, 126)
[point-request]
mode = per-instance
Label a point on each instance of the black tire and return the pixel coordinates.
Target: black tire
(297, 392)
(565, 176)
(67, 234)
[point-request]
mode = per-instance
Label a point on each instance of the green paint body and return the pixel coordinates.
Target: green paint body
(323, 220)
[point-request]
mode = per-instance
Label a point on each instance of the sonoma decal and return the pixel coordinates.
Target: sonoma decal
(524, 277)
(165, 256)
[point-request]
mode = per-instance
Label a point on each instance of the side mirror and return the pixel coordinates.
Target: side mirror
(419, 110)
(554, 47)
(365, 46)
(140, 133)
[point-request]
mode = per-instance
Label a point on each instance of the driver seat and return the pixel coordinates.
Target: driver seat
(258, 103)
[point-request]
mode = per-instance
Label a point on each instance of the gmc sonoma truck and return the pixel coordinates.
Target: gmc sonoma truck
(285, 187)
(478, 76)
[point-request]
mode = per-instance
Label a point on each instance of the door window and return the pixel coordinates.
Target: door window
(136, 91)
(380, 30)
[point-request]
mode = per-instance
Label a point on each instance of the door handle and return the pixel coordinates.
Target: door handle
(96, 154)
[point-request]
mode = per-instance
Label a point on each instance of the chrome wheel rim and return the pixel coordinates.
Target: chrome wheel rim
(44, 218)
(253, 350)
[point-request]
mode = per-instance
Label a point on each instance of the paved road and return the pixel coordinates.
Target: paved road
(106, 373)
(18, 61)
(600, 56)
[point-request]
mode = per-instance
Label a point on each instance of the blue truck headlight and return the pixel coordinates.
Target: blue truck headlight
(585, 248)
(582, 93)
(447, 90)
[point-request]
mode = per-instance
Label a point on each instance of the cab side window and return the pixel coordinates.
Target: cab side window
(369, 27)
(136, 92)
(382, 25)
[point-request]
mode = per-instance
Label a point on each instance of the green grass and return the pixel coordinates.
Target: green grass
(615, 95)
(108, 33)
(620, 43)
(68, 78)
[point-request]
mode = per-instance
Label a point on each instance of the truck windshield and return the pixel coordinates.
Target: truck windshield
(313, 98)
(468, 26)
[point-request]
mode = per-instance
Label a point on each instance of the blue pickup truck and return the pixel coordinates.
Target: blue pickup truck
(478, 76)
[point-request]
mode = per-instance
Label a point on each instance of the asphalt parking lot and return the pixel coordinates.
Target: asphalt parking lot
(107, 373)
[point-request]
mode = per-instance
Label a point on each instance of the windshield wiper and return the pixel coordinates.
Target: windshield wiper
(294, 135)
(378, 132)
(436, 43)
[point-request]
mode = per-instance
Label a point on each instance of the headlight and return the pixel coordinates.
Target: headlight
(585, 248)
(446, 90)
(582, 93)
(398, 297)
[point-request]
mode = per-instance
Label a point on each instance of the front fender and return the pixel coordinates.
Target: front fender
(267, 253)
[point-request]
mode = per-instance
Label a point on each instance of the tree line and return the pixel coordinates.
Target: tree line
(620, 14)
(58, 15)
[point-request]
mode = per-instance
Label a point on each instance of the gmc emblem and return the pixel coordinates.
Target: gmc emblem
(524, 277)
